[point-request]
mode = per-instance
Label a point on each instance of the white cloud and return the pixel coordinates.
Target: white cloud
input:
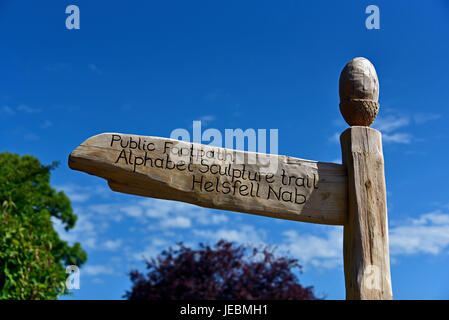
(73, 193)
(147, 253)
(311, 250)
(152, 250)
(111, 210)
(156, 208)
(84, 231)
(170, 210)
(428, 234)
(421, 118)
(211, 218)
(433, 217)
(90, 243)
(21, 108)
(159, 242)
(389, 126)
(132, 211)
(242, 234)
(390, 123)
(113, 244)
(404, 138)
(94, 270)
(176, 222)
(97, 281)
(78, 193)
(105, 208)
(63, 235)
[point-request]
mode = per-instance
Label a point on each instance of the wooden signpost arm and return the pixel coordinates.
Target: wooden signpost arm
(288, 188)
(366, 253)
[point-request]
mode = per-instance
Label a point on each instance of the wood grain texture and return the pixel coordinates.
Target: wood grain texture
(366, 252)
(287, 188)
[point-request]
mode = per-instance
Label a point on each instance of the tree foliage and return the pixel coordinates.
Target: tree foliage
(32, 256)
(225, 272)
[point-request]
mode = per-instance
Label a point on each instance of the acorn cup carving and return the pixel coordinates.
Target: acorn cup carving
(359, 92)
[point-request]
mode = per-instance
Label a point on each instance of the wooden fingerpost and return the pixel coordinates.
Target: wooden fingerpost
(352, 194)
(365, 243)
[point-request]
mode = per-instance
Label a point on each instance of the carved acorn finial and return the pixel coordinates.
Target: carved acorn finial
(359, 92)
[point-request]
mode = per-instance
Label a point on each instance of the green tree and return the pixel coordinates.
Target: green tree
(32, 256)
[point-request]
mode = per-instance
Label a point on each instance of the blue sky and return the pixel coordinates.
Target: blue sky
(148, 67)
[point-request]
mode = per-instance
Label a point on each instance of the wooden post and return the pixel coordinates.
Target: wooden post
(365, 244)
